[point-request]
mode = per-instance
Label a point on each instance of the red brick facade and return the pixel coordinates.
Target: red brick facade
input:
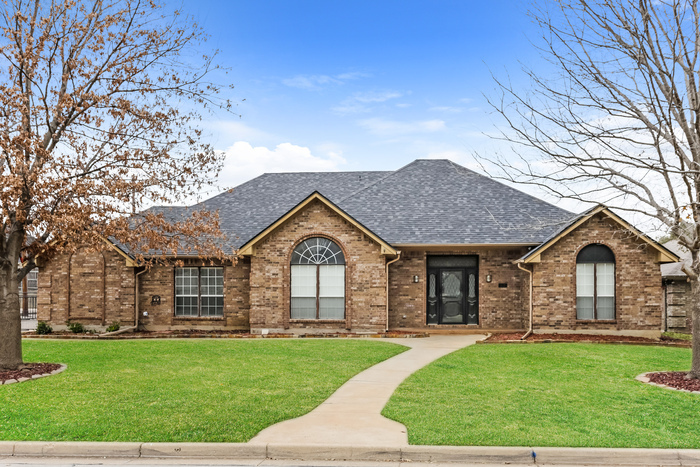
(365, 274)
(97, 288)
(92, 287)
(500, 308)
(638, 292)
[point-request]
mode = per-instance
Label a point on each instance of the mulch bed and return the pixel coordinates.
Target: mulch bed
(505, 337)
(212, 334)
(674, 379)
(28, 370)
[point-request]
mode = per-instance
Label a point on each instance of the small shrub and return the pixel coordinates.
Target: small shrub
(43, 327)
(113, 327)
(75, 328)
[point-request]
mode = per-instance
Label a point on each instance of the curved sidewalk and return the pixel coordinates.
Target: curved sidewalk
(352, 415)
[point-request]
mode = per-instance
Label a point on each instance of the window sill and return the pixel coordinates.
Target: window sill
(317, 321)
(590, 321)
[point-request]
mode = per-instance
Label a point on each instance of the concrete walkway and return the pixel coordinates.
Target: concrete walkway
(352, 415)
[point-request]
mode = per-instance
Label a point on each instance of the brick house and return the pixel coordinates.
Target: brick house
(431, 246)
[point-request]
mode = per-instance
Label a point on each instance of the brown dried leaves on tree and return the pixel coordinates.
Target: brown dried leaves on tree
(99, 111)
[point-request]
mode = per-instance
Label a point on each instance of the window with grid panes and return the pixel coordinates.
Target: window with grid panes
(199, 291)
(595, 283)
(318, 280)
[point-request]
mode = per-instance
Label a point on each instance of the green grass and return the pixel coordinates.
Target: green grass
(178, 390)
(548, 395)
(677, 335)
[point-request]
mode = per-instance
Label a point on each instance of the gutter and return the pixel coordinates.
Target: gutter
(398, 257)
(529, 331)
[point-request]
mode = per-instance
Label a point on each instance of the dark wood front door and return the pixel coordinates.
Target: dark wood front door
(452, 295)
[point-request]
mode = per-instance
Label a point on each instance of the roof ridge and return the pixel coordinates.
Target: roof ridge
(378, 180)
(455, 166)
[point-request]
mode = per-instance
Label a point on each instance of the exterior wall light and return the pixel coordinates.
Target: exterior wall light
(489, 278)
(415, 279)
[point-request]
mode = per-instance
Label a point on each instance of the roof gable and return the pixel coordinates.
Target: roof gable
(248, 249)
(534, 256)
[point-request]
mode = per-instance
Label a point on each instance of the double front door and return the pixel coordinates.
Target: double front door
(452, 291)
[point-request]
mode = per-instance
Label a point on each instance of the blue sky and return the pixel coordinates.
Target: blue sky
(360, 85)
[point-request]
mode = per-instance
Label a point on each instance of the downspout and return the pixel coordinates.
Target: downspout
(529, 331)
(135, 327)
(664, 285)
(398, 257)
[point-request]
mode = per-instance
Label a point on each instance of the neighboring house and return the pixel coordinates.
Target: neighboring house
(28, 289)
(677, 294)
(432, 245)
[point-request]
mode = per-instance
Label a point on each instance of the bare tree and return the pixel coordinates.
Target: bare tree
(616, 118)
(98, 118)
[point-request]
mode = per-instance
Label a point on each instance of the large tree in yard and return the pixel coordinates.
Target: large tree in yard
(99, 107)
(616, 117)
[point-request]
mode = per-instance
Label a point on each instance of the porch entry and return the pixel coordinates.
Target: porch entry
(453, 290)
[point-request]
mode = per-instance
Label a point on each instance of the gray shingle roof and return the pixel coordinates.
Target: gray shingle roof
(426, 202)
(673, 270)
(251, 207)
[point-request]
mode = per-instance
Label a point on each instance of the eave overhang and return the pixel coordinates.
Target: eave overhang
(664, 255)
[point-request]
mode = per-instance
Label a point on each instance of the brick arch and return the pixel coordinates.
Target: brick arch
(86, 285)
(595, 242)
(288, 274)
(325, 235)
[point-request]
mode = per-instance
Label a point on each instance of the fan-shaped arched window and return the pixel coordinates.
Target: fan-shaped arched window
(595, 283)
(318, 280)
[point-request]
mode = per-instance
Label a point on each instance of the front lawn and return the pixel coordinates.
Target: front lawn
(548, 395)
(178, 390)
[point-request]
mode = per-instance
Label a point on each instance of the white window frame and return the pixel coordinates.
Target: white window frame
(199, 295)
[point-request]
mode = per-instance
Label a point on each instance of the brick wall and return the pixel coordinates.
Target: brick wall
(91, 287)
(499, 308)
(160, 280)
(365, 295)
(97, 289)
(638, 292)
(677, 304)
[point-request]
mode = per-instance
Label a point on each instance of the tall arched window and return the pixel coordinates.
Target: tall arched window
(595, 283)
(318, 280)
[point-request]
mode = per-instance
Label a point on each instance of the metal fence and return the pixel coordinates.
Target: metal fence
(27, 306)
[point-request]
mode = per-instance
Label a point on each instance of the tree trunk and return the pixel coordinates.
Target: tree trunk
(10, 323)
(695, 313)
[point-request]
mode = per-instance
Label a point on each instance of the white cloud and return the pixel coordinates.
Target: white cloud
(357, 103)
(382, 127)
(318, 81)
(244, 161)
(445, 108)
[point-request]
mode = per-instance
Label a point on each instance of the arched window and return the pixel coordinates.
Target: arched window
(318, 280)
(595, 283)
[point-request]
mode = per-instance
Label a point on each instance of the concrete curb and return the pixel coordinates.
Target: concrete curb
(433, 454)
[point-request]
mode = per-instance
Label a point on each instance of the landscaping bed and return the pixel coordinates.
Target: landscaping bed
(567, 395)
(210, 390)
(586, 338)
(27, 371)
(674, 379)
(212, 334)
